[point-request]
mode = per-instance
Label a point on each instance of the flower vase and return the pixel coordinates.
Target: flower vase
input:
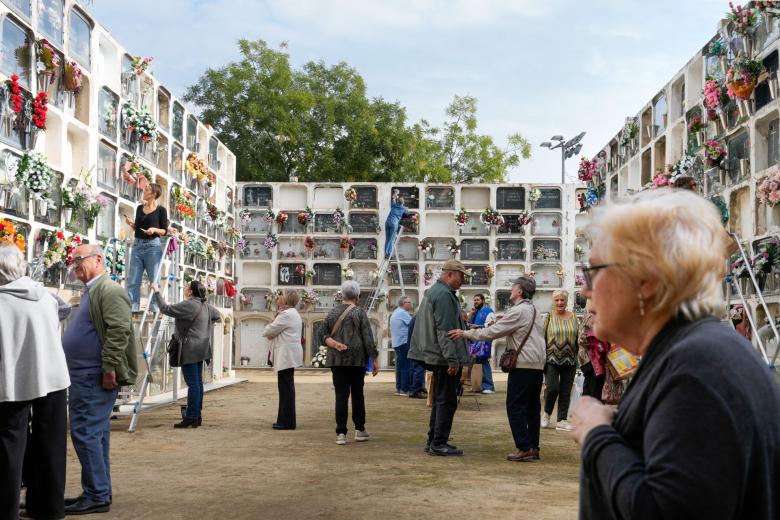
(761, 281)
(44, 80)
(743, 114)
(128, 137)
(142, 146)
(723, 123)
(699, 139)
(747, 46)
(67, 214)
(768, 22)
(41, 207)
(772, 81)
(70, 104)
(724, 64)
(649, 131)
(6, 196)
(744, 168)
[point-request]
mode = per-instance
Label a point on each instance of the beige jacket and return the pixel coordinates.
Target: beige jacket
(514, 325)
(285, 335)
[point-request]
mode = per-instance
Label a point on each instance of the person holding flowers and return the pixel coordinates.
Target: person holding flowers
(393, 222)
(151, 223)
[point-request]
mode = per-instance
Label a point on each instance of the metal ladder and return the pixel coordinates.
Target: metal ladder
(159, 328)
(747, 309)
(383, 273)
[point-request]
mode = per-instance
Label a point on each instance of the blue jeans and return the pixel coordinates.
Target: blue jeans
(146, 256)
(402, 368)
(193, 376)
(391, 231)
(416, 376)
(90, 410)
(487, 376)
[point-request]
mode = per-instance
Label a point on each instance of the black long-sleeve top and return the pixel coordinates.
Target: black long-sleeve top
(697, 434)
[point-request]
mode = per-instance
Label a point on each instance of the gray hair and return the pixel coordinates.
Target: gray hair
(402, 300)
(12, 263)
(400, 200)
(527, 285)
(350, 290)
(292, 297)
(96, 249)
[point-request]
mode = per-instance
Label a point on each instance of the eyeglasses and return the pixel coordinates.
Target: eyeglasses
(590, 271)
(79, 259)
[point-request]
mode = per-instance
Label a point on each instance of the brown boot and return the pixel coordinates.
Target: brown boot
(521, 456)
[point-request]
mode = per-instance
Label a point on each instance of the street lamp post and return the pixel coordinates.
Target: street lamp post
(568, 149)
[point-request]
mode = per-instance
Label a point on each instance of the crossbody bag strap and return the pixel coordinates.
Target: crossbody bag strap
(189, 327)
(528, 334)
(337, 326)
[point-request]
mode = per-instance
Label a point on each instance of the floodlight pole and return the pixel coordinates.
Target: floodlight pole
(571, 146)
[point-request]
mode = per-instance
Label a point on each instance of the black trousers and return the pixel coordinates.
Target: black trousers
(524, 406)
(46, 484)
(593, 384)
(349, 380)
(559, 379)
(285, 380)
(445, 402)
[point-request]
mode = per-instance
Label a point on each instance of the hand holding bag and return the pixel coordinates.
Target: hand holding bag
(509, 357)
(176, 344)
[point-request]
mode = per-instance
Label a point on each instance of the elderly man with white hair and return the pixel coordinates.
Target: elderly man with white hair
(347, 331)
(33, 376)
(100, 350)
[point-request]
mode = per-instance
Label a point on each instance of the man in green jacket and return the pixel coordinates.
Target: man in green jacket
(440, 312)
(100, 350)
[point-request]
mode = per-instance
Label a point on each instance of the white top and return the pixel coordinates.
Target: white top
(285, 335)
(32, 362)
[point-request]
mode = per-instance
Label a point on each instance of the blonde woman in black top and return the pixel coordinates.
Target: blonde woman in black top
(151, 223)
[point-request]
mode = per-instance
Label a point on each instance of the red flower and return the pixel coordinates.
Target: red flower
(60, 235)
(39, 110)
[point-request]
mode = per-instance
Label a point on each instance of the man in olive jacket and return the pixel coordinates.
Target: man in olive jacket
(439, 313)
(100, 350)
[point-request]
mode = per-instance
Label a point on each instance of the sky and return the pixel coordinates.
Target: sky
(540, 68)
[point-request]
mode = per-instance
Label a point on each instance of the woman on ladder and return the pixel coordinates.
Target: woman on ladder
(393, 222)
(151, 223)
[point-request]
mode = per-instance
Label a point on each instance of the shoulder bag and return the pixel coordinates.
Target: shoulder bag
(337, 326)
(509, 357)
(176, 343)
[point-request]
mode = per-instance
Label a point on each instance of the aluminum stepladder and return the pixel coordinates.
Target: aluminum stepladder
(158, 329)
(771, 364)
(383, 273)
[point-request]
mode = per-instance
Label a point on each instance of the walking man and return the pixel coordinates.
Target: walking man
(438, 314)
(482, 349)
(525, 334)
(100, 351)
(399, 335)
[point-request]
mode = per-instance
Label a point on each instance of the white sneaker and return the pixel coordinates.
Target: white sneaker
(341, 439)
(401, 393)
(545, 420)
(361, 436)
(488, 391)
(563, 426)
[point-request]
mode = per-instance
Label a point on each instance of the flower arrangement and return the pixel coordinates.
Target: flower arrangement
(722, 207)
(197, 167)
(9, 234)
(736, 314)
(461, 218)
(489, 272)
(740, 270)
(300, 269)
(245, 216)
(242, 246)
(742, 76)
(579, 280)
(55, 252)
(270, 241)
(184, 202)
(134, 171)
(115, 259)
(744, 19)
(141, 65)
(310, 274)
(48, 59)
(97, 203)
(544, 253)
(233, 233)
(660, 179)
(578, 251)
(715, 153)
(346, 243)
(74, 197)
(683, 167)
(309, 244)
(491, 217)
(587, 169)
(72, 77)
(320, 359)
(281, 218)
(269, 215)
(696, 124)
(714, 97)
(425, 246)
(768, 191)
(15, 96)
(717, 48)
(348, 273)
(454, 248)
(210, 251)
(534, 195)
(350, 195)
(212, 211)
(34, 174)
(629, 132)
(195, 245)
(305, 217)
(338, 218)
(140, 121)
(309, 297)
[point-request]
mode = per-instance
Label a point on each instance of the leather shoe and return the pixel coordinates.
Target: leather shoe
(187, 423)
(85, 506)
(536, 454)
(521, 456)
(418, 395)
(72, 500)
(445, 450)
(277, 426)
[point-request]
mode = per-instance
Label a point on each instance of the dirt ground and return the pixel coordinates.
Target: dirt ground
(235, 466)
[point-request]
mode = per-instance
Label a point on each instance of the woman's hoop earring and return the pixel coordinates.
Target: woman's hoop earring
(641, 304)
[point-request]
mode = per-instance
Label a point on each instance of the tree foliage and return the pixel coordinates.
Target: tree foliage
(318, 124)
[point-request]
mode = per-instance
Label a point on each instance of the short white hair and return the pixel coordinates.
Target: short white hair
(12, 263)
(350, 290)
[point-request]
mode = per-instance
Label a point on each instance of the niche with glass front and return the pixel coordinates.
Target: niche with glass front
(257, 196)
(366, 197)
(510, 249)
(364, 222)
(291, 274)
(546, 224)
(474, 249)
(440, 197)
(410, 194)
(327, 274)
(510, 198)
(546, 250)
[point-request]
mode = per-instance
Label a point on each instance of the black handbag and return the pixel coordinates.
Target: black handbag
(176, 344)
